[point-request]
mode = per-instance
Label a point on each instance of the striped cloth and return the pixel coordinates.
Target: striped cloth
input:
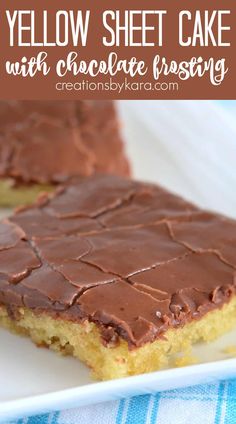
(206, 404)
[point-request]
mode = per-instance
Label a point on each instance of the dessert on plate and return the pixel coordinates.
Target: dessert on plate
(43, 143)
(118, 273)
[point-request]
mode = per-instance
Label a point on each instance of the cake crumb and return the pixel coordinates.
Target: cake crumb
(230, 350)
(183, 361)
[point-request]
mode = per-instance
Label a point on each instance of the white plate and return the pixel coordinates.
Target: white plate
(38, 381)
(178, 144)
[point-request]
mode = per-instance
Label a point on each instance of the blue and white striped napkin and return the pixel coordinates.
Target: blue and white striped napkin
(209, 404)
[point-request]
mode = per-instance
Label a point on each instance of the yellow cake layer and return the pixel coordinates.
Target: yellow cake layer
(83, 341)
(11, 196)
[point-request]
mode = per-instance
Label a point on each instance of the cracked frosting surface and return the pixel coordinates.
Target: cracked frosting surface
(49, 141)
(129, 256)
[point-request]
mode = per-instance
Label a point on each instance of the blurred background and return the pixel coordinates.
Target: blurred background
(187, 146)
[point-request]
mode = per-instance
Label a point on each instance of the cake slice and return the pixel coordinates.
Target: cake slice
(43, 143)
(120, 274)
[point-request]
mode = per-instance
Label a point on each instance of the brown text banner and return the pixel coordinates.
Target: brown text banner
(105, 49)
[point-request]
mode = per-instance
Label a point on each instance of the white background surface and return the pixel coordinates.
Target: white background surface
(189, 147)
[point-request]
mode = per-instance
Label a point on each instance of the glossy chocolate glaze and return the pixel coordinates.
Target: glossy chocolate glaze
(47, 142)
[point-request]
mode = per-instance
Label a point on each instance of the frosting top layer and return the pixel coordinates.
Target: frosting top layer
(50, 141)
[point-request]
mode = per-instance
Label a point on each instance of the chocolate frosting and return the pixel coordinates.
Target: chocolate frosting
(10, 234)
(208, 232)
(50, 141)
(129, 256)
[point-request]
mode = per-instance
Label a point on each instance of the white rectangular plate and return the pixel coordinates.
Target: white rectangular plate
(178, 144)
(38, 380)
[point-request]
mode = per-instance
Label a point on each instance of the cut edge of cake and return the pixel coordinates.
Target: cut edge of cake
(84, 341)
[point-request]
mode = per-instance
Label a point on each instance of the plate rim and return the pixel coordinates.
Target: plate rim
(41, 402)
